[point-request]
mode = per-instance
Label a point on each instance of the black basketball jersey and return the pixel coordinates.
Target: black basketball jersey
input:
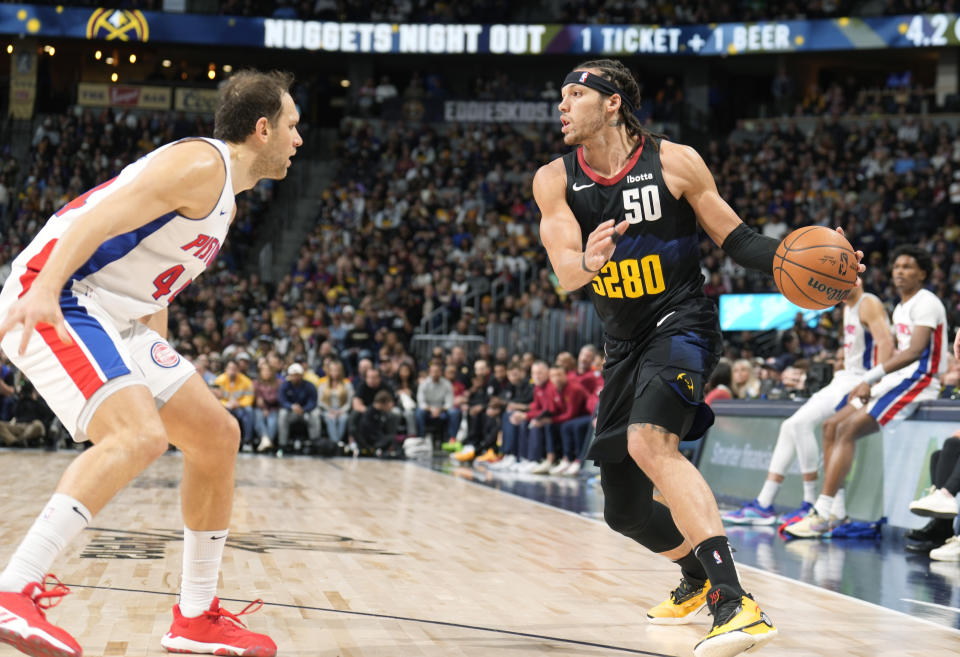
(656, 264)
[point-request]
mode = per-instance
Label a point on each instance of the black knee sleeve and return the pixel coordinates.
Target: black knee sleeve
(647, 522)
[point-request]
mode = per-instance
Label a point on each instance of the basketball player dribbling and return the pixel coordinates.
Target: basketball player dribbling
(620, 213)
(84, 318)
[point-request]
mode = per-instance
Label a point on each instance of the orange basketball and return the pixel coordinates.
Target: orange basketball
(815, 267)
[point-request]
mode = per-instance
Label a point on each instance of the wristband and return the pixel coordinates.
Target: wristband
(874, 374)
(751, 249)
(583, 264)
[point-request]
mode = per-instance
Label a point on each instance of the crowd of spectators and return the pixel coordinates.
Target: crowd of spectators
(416, 95)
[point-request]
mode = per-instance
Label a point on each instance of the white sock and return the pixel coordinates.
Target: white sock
(824, 505)
(202, 553)
(768, 492)
(810, 491)
(839, 508)
(58, 524)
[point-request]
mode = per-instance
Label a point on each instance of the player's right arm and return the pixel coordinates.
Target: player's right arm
(186, 178)
(560, 232)
(874, 317)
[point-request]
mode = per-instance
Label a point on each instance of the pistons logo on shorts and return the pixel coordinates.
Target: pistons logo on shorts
(164, 355)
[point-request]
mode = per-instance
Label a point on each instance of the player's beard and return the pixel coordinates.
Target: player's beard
(269, 165)
(586, 128)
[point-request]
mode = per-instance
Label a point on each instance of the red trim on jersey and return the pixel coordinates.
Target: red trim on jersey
(596, 177)
(908, 397)
(81, 200)
(71, 357)
(937, 346)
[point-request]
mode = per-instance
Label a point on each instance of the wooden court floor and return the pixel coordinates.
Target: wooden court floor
(370, 558)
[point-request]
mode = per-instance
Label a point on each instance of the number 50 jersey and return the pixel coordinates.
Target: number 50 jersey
(656, 264)
(140, 272)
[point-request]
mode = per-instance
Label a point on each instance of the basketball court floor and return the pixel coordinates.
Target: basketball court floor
(364, 558)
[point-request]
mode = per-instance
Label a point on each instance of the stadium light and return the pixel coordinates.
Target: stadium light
(344, 83)
(133, 58)
(114, 77)
(227, 68)
(211, 74)
(109, 61)
(166, 63)
(10, 49)
(98, 55)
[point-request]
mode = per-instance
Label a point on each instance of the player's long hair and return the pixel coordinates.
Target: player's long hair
(615, 72)
(244, 99)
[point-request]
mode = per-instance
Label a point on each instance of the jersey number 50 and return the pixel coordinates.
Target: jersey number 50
(630, 278)
(642, 204)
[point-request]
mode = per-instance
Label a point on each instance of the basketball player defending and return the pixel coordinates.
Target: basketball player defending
(84, 317)
(891, 390)
(866, 341)
(620, 214)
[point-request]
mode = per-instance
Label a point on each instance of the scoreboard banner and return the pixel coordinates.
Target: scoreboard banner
(130, 25)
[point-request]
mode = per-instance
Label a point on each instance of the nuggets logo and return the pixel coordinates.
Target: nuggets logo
(686, 383)
(164, 355)
(118, 24)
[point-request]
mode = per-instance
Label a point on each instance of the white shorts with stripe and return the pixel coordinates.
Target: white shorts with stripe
(895, 396)
(74, 379)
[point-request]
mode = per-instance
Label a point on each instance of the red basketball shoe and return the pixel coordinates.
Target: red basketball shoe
(23, 623)
(217, 632)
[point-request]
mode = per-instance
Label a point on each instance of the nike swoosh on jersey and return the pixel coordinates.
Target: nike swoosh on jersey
(577, 187)
(664, 318)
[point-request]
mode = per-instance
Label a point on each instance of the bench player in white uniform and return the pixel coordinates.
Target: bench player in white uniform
(866, 341)
(890, 390)
(84, 315)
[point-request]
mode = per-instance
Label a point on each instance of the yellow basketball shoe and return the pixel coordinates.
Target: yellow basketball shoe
(685, 602)
(738, 624)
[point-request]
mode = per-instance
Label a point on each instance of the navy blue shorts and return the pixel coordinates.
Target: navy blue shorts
(659, 379)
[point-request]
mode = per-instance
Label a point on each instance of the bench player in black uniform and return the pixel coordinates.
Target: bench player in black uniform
(620, 214)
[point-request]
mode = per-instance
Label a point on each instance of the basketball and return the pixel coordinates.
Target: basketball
(815, 267)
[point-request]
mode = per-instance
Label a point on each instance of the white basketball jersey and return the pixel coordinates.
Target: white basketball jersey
(140, 272)
(923, 309)
(859, 347)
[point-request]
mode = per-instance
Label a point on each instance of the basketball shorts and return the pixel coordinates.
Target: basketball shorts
(659, 379)
(895, 396)
(74, 379)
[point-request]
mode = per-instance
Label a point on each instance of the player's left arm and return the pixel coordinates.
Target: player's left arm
(687, 175)
(157, 321)
(874, 317)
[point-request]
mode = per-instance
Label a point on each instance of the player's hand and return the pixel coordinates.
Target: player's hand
(956, 346)
(860, 266)
(602, 242)
(37, 306)
(861, 392)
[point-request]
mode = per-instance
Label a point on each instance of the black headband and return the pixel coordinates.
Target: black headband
(604, 86)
